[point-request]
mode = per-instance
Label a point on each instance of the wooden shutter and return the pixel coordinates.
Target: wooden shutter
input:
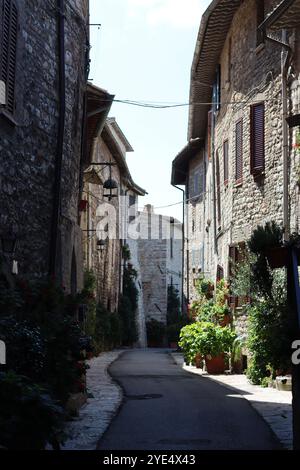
(239, 151)
(9, 51)
(225, 161)
(220, 273)
(257, 138)
(218, 187)
(209, 131)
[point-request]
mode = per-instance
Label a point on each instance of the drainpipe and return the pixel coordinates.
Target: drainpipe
(214, 182)
(60, 139)
(285, 144)
(183, 246)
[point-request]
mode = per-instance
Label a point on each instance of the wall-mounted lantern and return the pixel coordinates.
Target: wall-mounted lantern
(101, 245)
(110, 188)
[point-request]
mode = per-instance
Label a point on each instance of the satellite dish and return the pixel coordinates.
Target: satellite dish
(2, 93)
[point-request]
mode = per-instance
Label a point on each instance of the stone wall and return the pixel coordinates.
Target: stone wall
(28, 138)
(249, 74)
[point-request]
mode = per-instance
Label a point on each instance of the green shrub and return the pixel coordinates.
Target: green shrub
(205, 338)
(29, 418)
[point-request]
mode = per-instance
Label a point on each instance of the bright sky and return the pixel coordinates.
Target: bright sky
(143, 52)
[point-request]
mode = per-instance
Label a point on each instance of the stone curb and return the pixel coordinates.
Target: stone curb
(271, 405)
(96, 415)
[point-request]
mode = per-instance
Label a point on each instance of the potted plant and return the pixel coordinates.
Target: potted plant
(210, 340)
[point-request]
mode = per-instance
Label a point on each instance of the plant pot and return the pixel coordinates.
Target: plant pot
(226, 320)
(215, 365)
(284, 383)
(198, 361)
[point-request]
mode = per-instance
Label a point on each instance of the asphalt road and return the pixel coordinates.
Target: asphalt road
(166, 408)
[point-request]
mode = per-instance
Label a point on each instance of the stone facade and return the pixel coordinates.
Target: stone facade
(29, 134)
(160, 258)
(108, 220)
(227, 210)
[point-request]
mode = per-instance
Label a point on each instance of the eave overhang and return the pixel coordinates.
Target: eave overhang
(214, 27)
(99, 102)
(181, 161)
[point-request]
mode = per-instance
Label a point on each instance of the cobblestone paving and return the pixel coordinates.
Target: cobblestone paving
(96, 415)
(273, 405)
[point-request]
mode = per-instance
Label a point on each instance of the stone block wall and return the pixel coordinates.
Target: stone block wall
(28, 139)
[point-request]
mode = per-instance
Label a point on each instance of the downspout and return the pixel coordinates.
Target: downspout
(214, 181)
(183, 246)
(60, 140)
(285, 143)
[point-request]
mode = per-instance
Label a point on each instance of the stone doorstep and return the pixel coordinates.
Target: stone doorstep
(280, 425)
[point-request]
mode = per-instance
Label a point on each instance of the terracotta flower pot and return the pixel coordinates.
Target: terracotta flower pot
(198, 361)
(226, 320)
(215, 365)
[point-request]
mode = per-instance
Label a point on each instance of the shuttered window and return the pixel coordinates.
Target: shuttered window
(218, 187)
(239, 152)
(225, 162)
(9, 35)
(257, 138)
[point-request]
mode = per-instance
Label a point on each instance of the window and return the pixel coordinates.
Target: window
(132, 208)
(217, 90)
(225, 162)
(198, 181)
(229, 60)
(9, 28)
(218, 188)
(236, 256)
(257, 138)
(239, 152)
(171, 247)
(260, 16)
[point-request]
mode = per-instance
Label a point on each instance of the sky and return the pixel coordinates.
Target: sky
(143, 51)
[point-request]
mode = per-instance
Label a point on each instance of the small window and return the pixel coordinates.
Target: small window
(260, 16)
(220, 273)
(239, 152)
(225, 162)
(217, 90)
(257, 138)
(9, 28)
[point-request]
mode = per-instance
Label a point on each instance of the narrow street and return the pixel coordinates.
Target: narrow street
(167, 408)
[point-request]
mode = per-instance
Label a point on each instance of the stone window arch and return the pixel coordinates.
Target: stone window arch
(9, 22)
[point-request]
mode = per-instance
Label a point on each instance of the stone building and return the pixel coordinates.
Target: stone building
(108, 208)
(160, 258)
(239, 166)
(44, 62)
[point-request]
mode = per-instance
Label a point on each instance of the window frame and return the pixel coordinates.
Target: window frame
(256, 171)
(239, 178)
(226, 161)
